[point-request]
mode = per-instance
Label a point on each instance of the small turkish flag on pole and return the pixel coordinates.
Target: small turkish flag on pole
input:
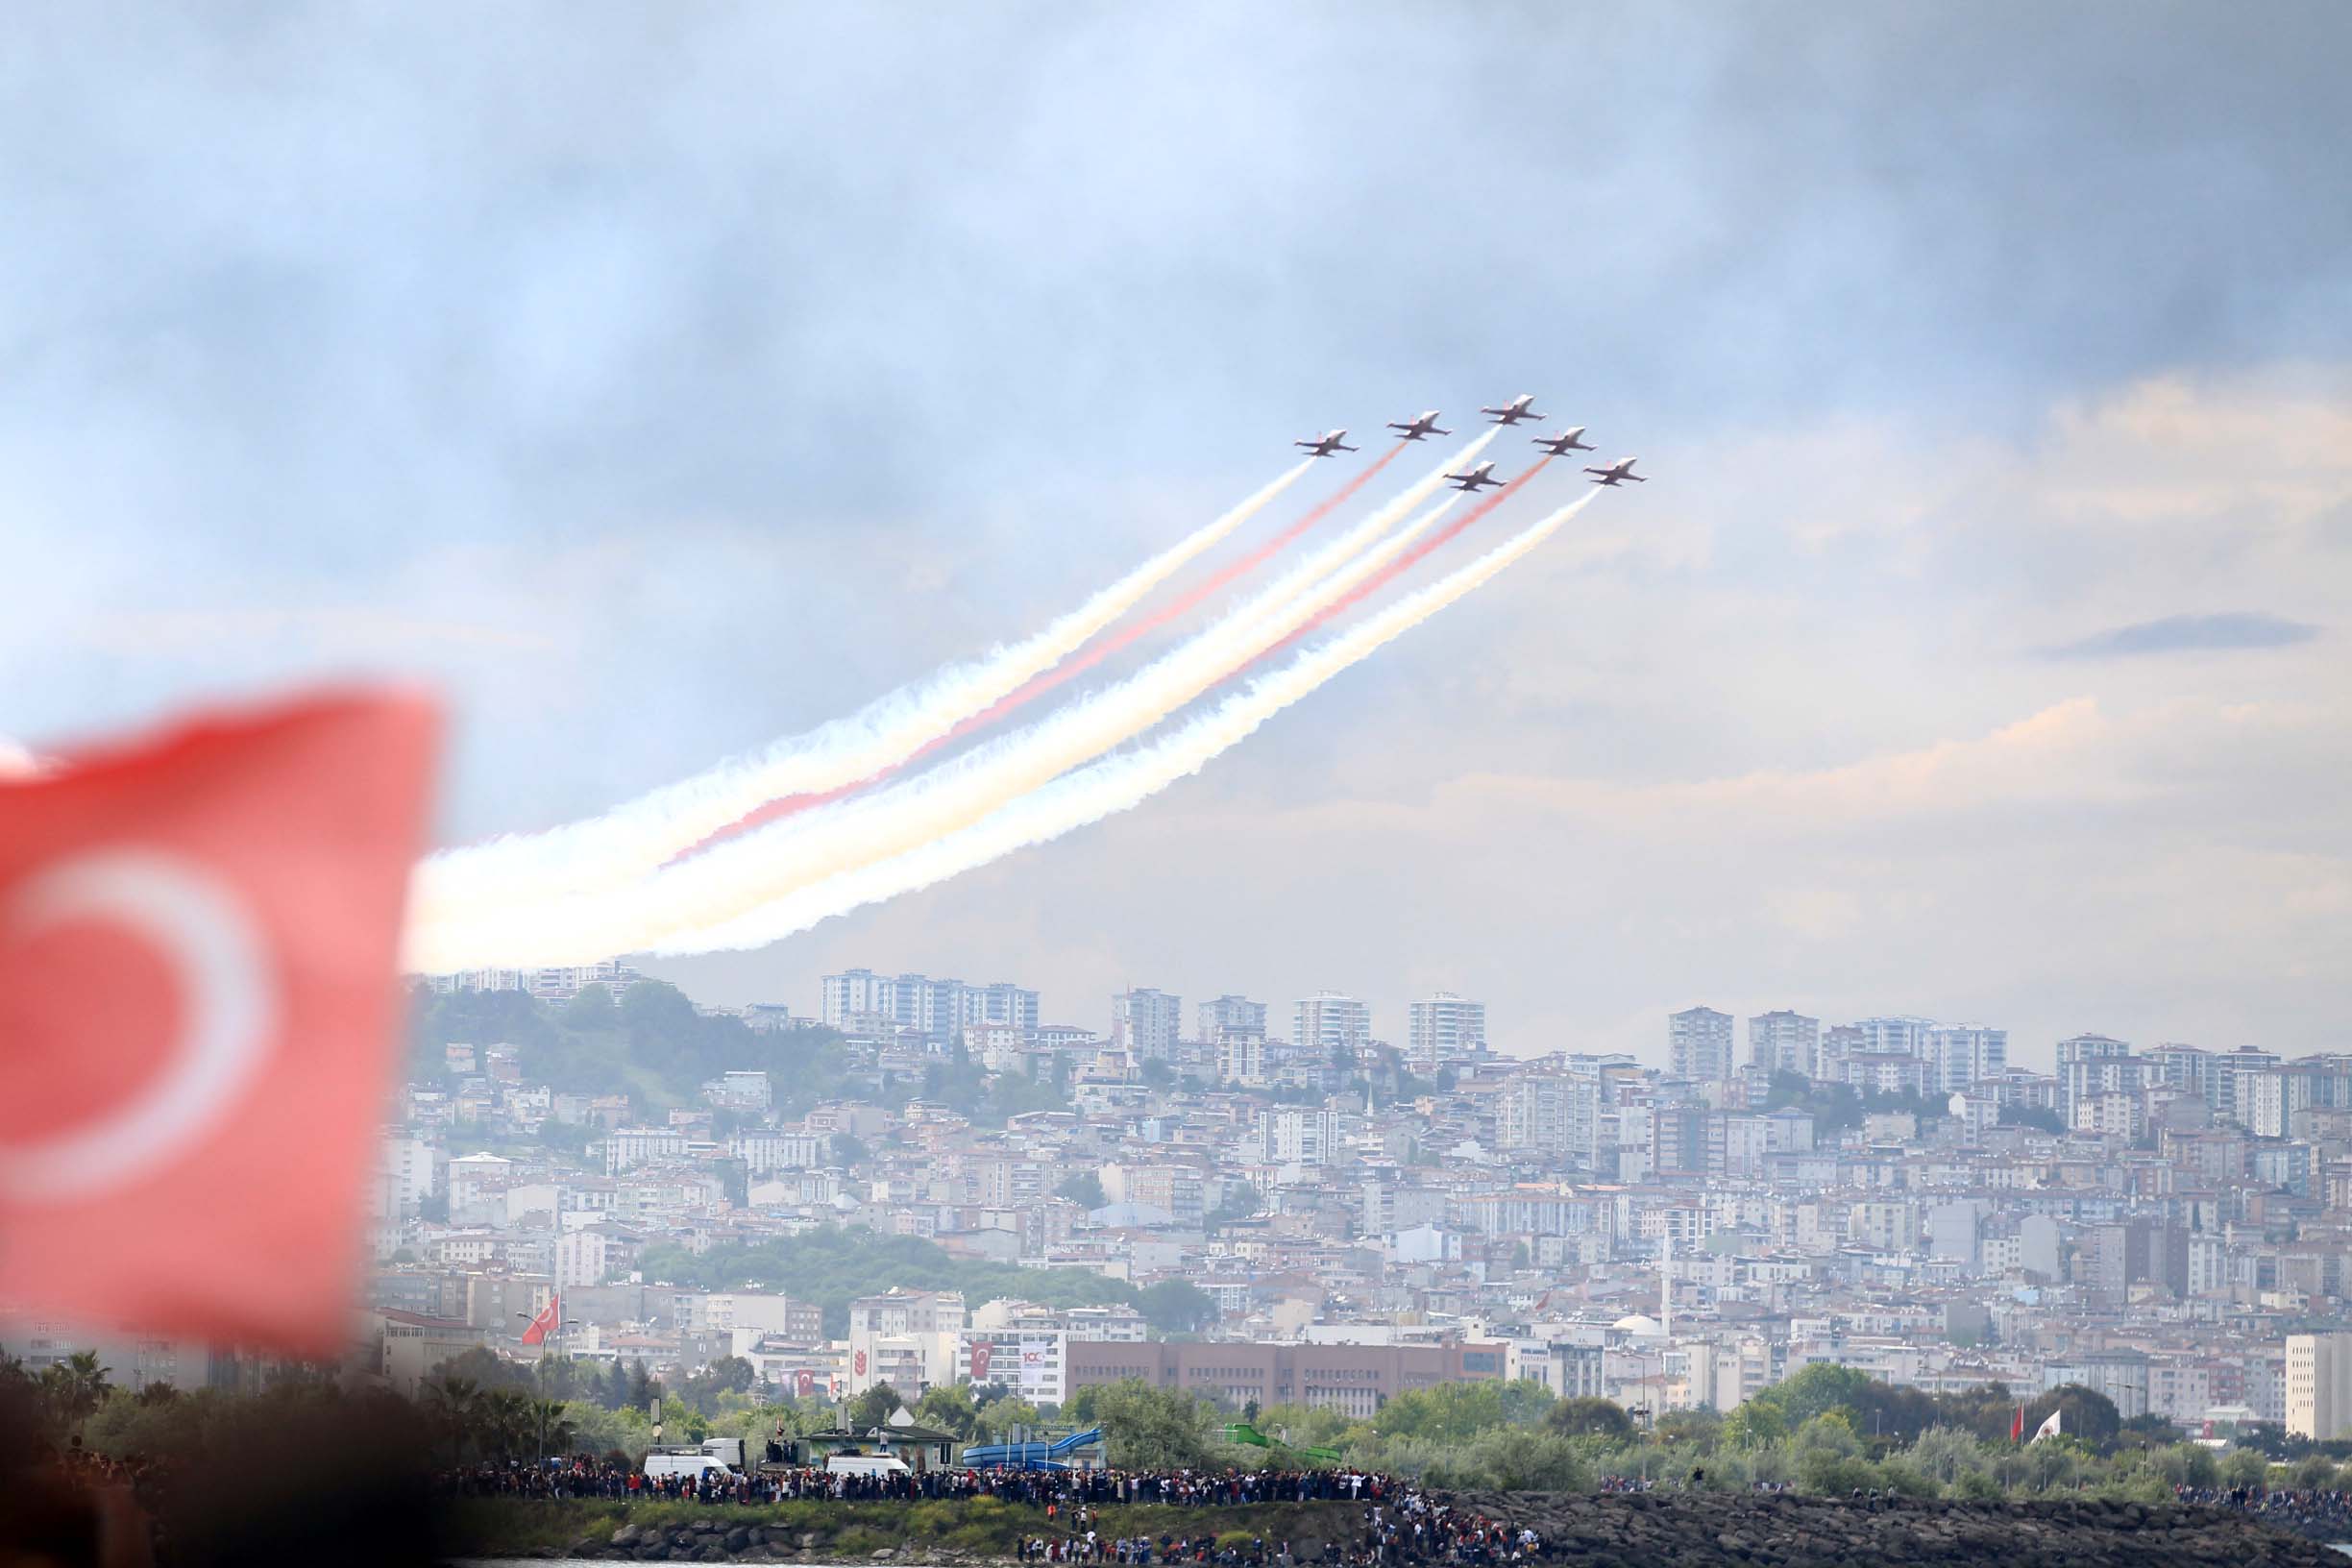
(540, 1327)
(198, 936)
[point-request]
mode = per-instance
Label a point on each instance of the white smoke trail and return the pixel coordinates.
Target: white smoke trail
(635, 838)
(767, 862)
(1117, 783)
(18, 761)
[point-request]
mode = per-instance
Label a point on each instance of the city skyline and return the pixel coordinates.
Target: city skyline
(1652, 1048)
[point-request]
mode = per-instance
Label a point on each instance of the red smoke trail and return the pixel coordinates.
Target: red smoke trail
(1403, 563)
(1085, 659)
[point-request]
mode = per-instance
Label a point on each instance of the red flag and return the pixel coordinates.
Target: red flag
(198, 941)
(535, 1333)
(2016, 1427)
(982, 1352)
(805, 1384)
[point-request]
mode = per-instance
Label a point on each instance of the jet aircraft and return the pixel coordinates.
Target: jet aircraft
(1323, 445)
(1521, 407)
(1617, 473)
(1421, 425)
(1468, 483)
(1564, 443)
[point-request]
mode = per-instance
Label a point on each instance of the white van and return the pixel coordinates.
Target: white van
(864, 1464)
(690, 1463)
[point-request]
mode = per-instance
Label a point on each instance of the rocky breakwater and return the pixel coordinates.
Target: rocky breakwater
(717, 1540)
(1676, 1530)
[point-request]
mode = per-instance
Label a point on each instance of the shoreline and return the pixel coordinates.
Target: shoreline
(1604, 1529)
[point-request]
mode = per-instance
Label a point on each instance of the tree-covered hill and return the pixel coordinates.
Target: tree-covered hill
(652, 1046)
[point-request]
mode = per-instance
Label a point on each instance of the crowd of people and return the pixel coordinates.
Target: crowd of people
(1400, 1523)
(1058, 1492)
(2322, 1515)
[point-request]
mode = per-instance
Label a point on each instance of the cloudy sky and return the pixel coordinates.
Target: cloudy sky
(660, 380)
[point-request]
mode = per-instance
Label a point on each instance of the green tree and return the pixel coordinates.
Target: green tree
(1586, 1416)
(1150, 1429)
(1084, 1188)
(949, 1408)
(74, 1389)
(2245, 1467)
(1816, 1390)
(1001, 1416)
(453, 1402)
(1757, 1424)
(589, 1012)
(1948, 1453)
(643, 1390)
(727, 1375)
(1176, 1306)
(1699, 1430)
(2086, 1415)
(1454, 1412)
(875, 1406)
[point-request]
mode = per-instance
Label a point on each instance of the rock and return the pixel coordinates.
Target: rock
(627, 1536)
(738, 1538)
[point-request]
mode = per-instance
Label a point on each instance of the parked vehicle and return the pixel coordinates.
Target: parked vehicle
(690, 1463)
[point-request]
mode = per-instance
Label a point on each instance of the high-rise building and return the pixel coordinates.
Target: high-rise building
(1228, 1013)
(1147, 1022)
(1962, 1054)
(1900, 1036)
(1290, 1136)
(1329, 1023)
(939, 1008)
(2184, 1068)
(1241, 1057)
(1785, 1041)
(2226, 1070)
(1444, 1028)
(1698, 1045)
(2091, 1066)
(2319, 1385)
(1838, 1042)
(1550, 1115)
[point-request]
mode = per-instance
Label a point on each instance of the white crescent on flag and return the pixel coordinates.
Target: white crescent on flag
(220, 966)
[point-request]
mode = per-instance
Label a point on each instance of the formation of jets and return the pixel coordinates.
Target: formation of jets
(1523, 407)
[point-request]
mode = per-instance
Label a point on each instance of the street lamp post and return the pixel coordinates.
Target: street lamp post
(539, 1380)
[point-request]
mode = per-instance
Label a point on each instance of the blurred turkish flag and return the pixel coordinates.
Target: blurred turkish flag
(198, 936)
